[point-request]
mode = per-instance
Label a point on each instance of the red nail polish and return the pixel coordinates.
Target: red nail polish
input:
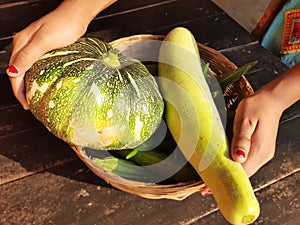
(205, 191)
(13, 69)
(240, 152)
(206, 194)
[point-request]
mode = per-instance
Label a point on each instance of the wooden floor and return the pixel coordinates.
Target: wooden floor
(247, 14)
(42, 181)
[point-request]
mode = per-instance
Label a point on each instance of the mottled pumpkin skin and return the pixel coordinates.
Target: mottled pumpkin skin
(90, 95)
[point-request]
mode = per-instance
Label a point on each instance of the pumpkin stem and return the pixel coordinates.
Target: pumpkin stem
(111, 60)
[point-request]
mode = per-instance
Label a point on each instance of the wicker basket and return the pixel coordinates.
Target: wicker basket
(146, 48)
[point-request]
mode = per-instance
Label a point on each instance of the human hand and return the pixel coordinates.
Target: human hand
(257, 119)
(57, 29)
(255, 131)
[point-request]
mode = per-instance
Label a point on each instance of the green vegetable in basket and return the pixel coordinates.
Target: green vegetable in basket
(123, 168)
(168, 168)
(195, 124)
(118, 166)
(233, 76)
(90, 95)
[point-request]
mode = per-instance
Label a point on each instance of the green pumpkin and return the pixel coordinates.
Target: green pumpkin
(90, 95)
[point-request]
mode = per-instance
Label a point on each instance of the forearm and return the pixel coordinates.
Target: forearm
(85, 9)
(285, 89)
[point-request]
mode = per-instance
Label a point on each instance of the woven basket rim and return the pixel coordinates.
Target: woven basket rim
(177, 191)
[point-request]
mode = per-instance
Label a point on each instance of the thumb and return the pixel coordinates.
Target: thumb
(241, 141)
(24, 54)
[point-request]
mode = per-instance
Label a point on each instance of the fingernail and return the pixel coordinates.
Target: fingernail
(240, 153)
(12, 69)
(206, 194)
(205, 191)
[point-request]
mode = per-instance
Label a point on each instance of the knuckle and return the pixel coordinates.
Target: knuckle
(243, 139)
(44, 38)
(16, 36)
(247, 123)
(270, 156)
(266, 154)
(47, 41)
(242, 142)
(22, 56)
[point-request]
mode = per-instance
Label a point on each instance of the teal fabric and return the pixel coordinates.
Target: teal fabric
(273, 37)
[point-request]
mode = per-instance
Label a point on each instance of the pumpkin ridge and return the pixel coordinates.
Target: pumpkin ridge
(66, 75)
(86, 102)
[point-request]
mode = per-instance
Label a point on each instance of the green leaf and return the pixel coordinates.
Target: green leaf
(232, 77)
(205, 69)
(131, 154)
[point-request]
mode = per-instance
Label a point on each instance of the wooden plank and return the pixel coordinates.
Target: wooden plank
(212, 31)
(164, 14)
(268, 68)
(247, 14)
(267, 18)
(15, 119)
(157, 19)
(279, 204)
(207, 25)
(287, 156)
(30, 152)
(151, 19)
(15, 17)
(7, 97)
(70, 194)
(285, 163)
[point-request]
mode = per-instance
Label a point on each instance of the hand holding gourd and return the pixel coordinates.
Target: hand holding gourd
(57, 29)
(257, 119)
